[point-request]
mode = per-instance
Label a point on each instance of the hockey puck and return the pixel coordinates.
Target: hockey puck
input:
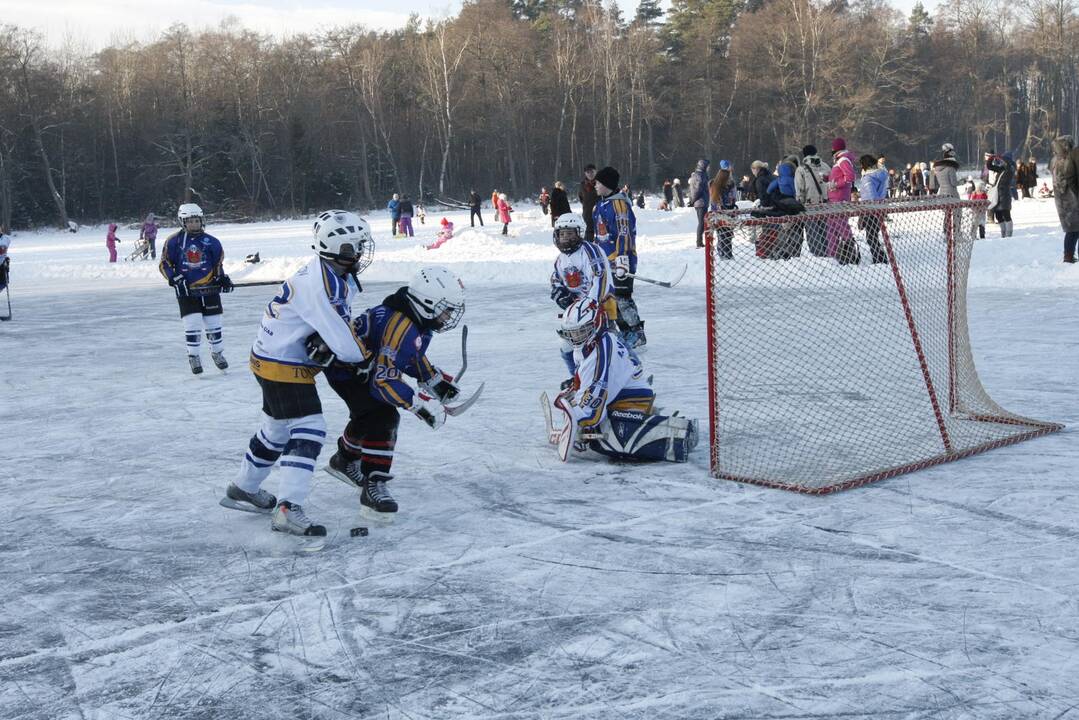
(358, 532)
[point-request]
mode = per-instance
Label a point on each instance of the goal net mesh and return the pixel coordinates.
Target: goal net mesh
(839, 352)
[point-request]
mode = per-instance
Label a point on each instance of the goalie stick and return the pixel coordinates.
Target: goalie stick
(564, 436)
(663, 283)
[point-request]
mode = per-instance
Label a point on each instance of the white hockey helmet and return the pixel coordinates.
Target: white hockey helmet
(188, 210)
(568, 232)
(344, 238)
(437, 295)
(581, 321)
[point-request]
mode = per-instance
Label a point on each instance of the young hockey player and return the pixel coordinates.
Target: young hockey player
(616, 233)
(191, 261)
(399, 332)
(310, 314)
(581, 270)
(608, 408)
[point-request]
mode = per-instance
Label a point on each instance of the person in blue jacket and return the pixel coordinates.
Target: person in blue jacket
(873, 185)
(394, 206)
(698, 196)
(191, 261)
(616, 234)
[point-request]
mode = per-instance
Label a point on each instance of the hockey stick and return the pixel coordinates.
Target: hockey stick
(459, 408)
(663, 283)
(464, 355)
(7, 291)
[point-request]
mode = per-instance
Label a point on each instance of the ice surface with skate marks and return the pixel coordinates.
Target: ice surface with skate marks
(511, 585)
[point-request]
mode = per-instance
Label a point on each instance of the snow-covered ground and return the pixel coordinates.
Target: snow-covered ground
(512, 586)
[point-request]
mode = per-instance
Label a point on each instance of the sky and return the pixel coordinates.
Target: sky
(100, 23)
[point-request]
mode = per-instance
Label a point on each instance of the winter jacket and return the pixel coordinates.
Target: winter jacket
(149, 231)
(474, 200)
(917, 182)
(1001, 175)
(782, 186)
(842, 177)
(544, 200)
(559, 202)
(504, 211)
(761, 181)
(809, 180)
(945, 171)
(668, 192)
(1065, 184)
(394, 207)
(110, 239)
(405, 209)
(588, 197)
(681, 200)
(698, 185)
(873, 185)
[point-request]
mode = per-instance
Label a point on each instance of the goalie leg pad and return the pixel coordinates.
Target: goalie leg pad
(633, 435)
(628, 317)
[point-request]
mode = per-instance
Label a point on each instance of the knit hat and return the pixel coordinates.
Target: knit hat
(724, 164)
(948, 149)
(839, 144)
(608, 177)
(809, 150)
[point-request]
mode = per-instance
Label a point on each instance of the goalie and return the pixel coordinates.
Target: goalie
(609, 406)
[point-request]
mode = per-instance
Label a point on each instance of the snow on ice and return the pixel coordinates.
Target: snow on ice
(511, 586)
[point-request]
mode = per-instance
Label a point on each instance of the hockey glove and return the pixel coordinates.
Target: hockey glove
(442, 387)
(562, 297)
(179, 283)
(362, 370)
(429, 411)
(225, 282)
(318, 352)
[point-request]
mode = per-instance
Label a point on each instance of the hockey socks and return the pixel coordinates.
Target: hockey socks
(193, 332)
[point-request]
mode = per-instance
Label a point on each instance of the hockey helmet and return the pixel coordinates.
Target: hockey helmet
(568, 232)
(190, 211)
(344, 239)
(437, 296)
(581, 321)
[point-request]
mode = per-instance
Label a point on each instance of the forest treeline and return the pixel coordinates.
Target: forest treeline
(514, 94)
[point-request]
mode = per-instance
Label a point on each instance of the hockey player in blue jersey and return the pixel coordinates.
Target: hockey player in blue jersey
(581, 270)
(609, 406)
(191, 261)
(311, 312)
(398, 332)
(616, 233)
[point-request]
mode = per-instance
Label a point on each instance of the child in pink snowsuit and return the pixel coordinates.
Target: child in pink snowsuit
(443, 235)
(840, 181)
(110, 242)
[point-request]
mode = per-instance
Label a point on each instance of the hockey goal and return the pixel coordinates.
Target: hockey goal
(829, 372)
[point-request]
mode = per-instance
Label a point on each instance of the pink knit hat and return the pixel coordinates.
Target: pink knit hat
(839, 144)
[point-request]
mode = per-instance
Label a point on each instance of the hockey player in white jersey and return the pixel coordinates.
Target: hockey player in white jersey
(316, 299)
(581, 270)
(609, 406)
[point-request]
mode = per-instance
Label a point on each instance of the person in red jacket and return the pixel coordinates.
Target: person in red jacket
(504, 211)
(110, 242)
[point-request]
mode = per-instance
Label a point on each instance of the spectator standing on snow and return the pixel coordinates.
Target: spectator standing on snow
(680, 199)
(110, 242)
(148, 232)
(588, 197)
(809, 181)
(405, 221)
(946, 172)
(872, 186)
(394, 206)
(559, 202)
(698, 196)
(474, 203)
(1065, 170)
(978, 193)
(668, 193)
(917, 181)
(724, 196)
(640, 199)
(1001, 175)
(841, 179)
(762, 178)
(504, 211)
(544, 200)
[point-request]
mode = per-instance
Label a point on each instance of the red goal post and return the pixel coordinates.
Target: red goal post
(838, 346)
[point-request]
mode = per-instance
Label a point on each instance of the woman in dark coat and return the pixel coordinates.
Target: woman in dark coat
(1066, 193)
(559, 201)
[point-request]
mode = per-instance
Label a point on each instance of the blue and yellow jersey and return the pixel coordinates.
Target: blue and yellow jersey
(616, 229)
(400, 347)
(197, 258)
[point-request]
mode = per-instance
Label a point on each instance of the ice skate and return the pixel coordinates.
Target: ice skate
(196, 364)
(345, 470)
(219, 360)
(290, 518)
(639, 340)
(256, 502)
(376, 503)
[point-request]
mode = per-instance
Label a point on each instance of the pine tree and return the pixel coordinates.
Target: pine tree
(648, 12)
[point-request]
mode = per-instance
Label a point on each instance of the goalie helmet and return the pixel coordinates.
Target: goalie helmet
(437, 296)
(581, 322)
(568, 232)
(344, 239)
